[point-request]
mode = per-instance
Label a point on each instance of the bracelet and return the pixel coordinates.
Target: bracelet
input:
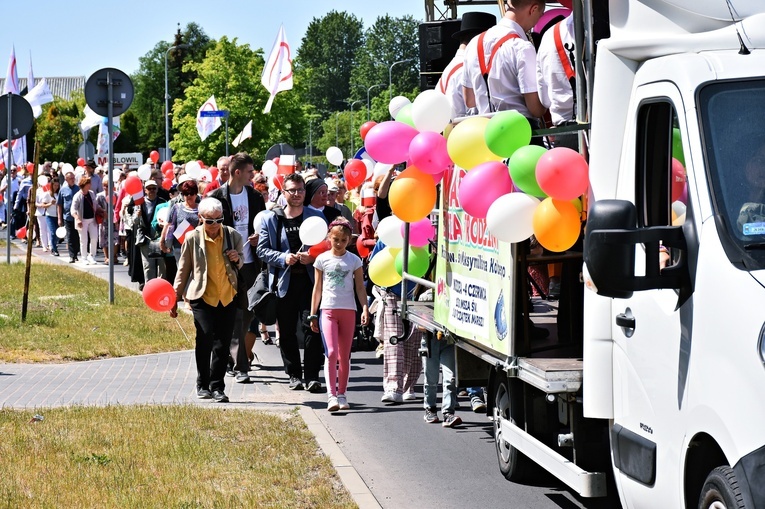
(312, 317)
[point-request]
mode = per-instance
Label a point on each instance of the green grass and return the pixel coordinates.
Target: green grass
(69, 318)
(163, 456)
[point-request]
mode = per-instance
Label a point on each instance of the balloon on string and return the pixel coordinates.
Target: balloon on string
(412, 195)
(506, 132)
(159, 295)
(30, 168)
(214, 172)
(365, 127)
(319, 248)
(167, 184)
(523, 165)
(355, 173)
(335, 156)
(556, 224)
(482, 185)
(405, 115)
(133, 185)
(678, 180)
(677, 146)
(510, 217)
(61, 232)
(382, 268)
(205, 175)
(269, 168)
(144, 172)
(389, 232)
(370, 167)
(431, 111)
(388, 142)
(420, 232)
(42, 180)
(562, 173)
(278, 181)
(67, 168)
(361, 249)
(21, 233)
(80, 161)
(396, 104)
(154, 156)
(162, 215)
(313, 230)
(381, 169)
(428, 152)
(167, 165)
(466, 144)
(417, 264)
(193, 170)
(201, 163)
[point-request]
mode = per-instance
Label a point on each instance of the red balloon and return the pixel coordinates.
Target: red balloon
(167, 165)
(365, 127)
(133, 185)
(201, 163)
(363, 250)
(319, 248)
(678, 179)
(276, 160)
(169, 174)
(214, 172)
(154, 156)
(279, 181)
(30, 167)
(159, 295)
(167, 184)
(80, 162)
(21, 233)
(355, 173)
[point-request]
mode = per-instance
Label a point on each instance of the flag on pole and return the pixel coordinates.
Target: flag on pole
(19, 151)
(30, 75)
(245, 134)
(182, 229)
(102, 146)
(11, 76)
(207, 125)
(91, 120)
(277, 73)
(38, 95)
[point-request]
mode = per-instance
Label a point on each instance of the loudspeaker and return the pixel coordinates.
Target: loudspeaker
(437, 48)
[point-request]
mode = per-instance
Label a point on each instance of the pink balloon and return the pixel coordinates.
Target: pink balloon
(549, 16)
(388, 142)
(428, 152)
(562, 173)
(482, 185)
(437, 177)
(420, 232)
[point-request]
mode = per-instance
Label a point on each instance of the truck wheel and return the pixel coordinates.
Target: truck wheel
(721, 490)
(508, 405)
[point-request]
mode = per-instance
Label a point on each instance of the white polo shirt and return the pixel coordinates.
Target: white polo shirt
(450, 84)
(555, 90)
(513, 72)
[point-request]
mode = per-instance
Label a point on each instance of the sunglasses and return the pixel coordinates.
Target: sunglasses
(212, 221)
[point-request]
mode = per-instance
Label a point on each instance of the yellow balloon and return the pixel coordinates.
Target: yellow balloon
(466, 144)
(382, 268)
(556, 224)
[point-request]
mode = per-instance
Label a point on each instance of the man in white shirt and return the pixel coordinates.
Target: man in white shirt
(450, 83)
(500, 66)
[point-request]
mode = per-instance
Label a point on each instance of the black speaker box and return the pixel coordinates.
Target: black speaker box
(437, 48)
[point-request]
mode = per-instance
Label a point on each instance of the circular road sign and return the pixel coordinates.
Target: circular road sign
(97, 91)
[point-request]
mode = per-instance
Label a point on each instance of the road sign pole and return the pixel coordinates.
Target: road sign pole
(8, 196)
(109, 219)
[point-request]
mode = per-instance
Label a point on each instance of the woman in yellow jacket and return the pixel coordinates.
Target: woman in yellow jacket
(210, 258)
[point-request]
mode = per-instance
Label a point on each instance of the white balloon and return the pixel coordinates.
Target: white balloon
(42, 180)
(370, 168)
(54, 165)
(389, 231)
(61, 232)
(510, 217)
(313, 230)
(269, 169)
(396, 104)
(193, 170)
(431, 111)
(205, 175)
(116, 175)
(162, 215)
(381, 169)
(335, 156)
(144, 172)
(67, 168)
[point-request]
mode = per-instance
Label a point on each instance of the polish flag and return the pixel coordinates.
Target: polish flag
(181, 230)
(368, 198)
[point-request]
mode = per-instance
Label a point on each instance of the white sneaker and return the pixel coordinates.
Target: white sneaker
(332, 404)
(409, 396)
(343, 402)
(392, 397)
(90, 260)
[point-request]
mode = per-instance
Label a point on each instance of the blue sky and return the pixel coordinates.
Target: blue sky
(78, 38)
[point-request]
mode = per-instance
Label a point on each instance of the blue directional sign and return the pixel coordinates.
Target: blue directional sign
(213, 113)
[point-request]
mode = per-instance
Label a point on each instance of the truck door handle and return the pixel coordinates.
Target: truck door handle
(626, 321)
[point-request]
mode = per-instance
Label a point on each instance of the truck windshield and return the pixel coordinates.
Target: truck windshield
(733, 119)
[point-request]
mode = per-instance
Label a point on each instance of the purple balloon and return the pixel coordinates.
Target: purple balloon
(388, 142)
(428, 152)
(482, 185)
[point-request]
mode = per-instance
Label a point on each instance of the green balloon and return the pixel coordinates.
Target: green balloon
(523, 165)
(405, 115)
(419, 260)
(506, 132)
(677, 146)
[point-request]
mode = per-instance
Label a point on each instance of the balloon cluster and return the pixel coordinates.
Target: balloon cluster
(518, 189)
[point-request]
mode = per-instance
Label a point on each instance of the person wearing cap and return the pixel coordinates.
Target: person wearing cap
(96, 182)
(450, 83)
(65, 218)
(241, 203)
(500, 64)
(146, 236)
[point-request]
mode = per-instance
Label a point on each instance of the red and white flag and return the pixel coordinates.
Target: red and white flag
(207, 125)
(19, 146)
(277, 72)
(368, 198)
(19, 150)
(11, 76)
(181, 230)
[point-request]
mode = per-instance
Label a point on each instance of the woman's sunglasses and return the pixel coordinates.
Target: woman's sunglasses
(213, 221)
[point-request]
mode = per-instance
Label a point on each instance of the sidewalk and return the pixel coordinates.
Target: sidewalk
(167, 378)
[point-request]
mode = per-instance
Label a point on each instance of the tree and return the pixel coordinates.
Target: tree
(329, 49)
(57, 129)
(149, 82)
(231, 73)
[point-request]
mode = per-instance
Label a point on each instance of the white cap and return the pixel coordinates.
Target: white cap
(150, 183)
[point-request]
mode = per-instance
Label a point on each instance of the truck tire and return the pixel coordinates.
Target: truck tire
(508, 404)
(721, 490)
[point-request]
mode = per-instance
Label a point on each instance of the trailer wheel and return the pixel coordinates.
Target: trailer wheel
(721, 490)
(508, 405)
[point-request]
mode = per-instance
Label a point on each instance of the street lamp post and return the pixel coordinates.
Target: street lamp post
(167, 98)
(352, 147)
(369, 112)
(390, 76)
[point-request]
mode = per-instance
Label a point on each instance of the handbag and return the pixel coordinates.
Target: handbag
(241, 285)
(262, 300)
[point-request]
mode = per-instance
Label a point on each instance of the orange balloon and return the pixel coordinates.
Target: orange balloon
(556, 224)
(412, 195)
